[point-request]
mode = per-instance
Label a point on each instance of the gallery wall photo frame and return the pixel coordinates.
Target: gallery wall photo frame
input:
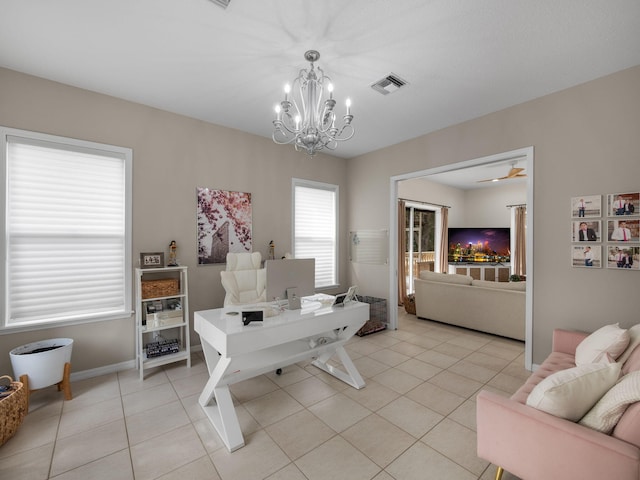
(616, 222)
(623, 257)
(623, 229)
(623, 204)
(151, 259)
(586, 206)
(586, 230)
(586, 256)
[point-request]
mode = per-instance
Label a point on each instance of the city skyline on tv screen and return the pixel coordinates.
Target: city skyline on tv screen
(492, 239)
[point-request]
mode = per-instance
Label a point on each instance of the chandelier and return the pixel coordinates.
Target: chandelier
(306, 116)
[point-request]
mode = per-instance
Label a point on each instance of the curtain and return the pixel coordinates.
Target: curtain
(444, 240)
(402, 248)
(520, 254)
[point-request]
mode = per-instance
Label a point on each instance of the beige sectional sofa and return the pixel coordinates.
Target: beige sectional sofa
(492, 307)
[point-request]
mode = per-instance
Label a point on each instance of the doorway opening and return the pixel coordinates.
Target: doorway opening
(527, 154)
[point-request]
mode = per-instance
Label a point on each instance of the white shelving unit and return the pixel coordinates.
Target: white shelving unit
(168, 324)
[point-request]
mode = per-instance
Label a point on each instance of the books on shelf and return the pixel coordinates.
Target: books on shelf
(162, 347)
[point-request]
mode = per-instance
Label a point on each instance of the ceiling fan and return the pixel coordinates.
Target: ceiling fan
(514, 172)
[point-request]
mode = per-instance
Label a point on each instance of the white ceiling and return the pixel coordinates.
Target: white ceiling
(482, 176)
(462, 58)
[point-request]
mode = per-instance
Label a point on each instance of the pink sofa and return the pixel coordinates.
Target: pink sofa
(532, 444)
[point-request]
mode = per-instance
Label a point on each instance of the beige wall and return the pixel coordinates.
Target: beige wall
(482, 207)
(172, 155)
(586, 142)
(487, 207)
(585, 138)
(421, 189)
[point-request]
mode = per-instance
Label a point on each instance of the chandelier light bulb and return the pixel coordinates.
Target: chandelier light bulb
(309, 120)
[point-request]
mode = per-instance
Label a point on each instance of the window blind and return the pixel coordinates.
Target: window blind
(67, 253)
(315, 228)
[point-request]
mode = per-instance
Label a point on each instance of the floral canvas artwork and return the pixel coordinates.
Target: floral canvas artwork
(224, 224)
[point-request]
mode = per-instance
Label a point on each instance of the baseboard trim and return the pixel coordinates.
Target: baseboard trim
(104, 370)
(114, 368)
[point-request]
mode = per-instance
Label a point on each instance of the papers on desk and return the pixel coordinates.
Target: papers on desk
(322, 298)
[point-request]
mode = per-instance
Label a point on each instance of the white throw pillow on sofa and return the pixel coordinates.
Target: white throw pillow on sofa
(634, 341)
(571, 393)
(605, 414)
(610, 339)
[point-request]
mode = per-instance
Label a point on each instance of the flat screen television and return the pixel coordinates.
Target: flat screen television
(479, 245)
(297, 273)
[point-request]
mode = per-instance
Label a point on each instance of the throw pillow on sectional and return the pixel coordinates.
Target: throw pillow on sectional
(634, 334)
(610, 340)
(605, 414)
(571, 393)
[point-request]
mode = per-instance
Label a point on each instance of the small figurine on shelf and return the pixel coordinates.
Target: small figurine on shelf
(272, 250)
(173, 248)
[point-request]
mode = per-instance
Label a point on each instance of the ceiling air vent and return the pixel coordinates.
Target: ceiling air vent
(222, 3)
(389, 84)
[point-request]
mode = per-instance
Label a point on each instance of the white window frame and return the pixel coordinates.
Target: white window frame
(8, 135)
(297, 182)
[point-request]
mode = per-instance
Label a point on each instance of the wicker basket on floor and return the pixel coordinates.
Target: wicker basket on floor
(410, 304)
(13, 408)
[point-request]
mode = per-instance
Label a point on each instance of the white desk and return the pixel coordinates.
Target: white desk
(235, 352)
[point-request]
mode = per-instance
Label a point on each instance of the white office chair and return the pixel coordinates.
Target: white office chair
(243, 280)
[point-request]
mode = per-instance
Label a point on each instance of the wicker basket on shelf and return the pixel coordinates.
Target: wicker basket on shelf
(410, 304)
(162, 287)
(13, 408)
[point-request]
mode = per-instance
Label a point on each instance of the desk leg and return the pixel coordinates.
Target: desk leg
(350, 331)
(352, 377)
(208, 392)
(211, 356)
(221, 413)
(224, 419)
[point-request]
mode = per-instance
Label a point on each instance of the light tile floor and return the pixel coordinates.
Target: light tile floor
(415, 418)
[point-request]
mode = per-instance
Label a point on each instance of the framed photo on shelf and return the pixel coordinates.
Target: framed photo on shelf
(585, 231)
(623, 257)
(623, 230)
(152, 260)
(586, 256)
(619, 204)
(586, 206)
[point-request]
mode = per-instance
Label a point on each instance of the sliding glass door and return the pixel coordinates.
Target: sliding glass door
(420, 241)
